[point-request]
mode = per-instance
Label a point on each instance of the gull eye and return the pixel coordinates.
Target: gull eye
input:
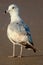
(13, 7)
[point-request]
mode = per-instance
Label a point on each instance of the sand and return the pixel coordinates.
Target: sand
(31, 12)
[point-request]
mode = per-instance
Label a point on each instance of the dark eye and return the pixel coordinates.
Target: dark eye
(13, 7)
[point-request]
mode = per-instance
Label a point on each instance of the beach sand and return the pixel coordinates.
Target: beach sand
(31, 12)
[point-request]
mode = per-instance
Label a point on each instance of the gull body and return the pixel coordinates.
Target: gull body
(18, 32)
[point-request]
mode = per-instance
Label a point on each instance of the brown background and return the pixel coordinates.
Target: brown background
(31, 12)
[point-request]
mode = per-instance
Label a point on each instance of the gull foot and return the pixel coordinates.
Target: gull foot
(20, 56)
(12, 56)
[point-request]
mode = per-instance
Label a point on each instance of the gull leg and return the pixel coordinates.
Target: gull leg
(21, 51)
(13, 51)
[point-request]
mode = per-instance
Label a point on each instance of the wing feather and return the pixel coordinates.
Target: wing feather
(23, 29)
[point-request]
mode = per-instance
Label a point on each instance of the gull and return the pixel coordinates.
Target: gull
(18, 31)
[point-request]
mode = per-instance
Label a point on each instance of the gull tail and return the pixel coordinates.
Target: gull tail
(30, 46)
(34, 49)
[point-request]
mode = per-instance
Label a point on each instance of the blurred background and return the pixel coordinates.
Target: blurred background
(31, 11)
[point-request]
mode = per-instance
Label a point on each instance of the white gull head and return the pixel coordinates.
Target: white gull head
(13, 10)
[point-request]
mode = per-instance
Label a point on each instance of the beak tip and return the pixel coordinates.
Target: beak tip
(5, 11)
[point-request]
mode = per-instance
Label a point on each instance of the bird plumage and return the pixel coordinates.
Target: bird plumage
(17, 30)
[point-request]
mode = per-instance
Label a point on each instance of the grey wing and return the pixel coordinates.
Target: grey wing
(22, 28)
(18, 27)
(28, 33)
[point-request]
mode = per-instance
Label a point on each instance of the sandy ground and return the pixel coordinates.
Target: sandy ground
(31, 12)
(35, 60)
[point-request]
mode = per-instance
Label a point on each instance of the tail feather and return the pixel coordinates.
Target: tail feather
(30, 46)
(34, 50)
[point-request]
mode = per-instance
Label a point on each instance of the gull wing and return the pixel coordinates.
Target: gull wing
(21, 28)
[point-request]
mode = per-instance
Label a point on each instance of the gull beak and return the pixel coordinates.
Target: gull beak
(6, 11)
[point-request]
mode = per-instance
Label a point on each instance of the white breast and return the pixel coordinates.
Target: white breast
(16, 36)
